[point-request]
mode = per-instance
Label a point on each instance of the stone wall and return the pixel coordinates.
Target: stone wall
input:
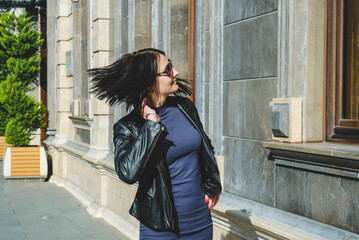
(247, 53)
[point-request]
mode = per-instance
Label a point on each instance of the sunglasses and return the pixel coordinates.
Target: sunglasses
(169, 69)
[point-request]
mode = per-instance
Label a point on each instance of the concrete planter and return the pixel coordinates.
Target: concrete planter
(3, 146)
(25, 162)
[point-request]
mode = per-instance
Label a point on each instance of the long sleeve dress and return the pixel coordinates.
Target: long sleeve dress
(181, 146)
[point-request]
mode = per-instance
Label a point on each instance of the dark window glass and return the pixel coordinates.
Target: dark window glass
(351, 60)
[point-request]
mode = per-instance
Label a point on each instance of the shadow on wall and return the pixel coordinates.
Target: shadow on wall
(238, 226)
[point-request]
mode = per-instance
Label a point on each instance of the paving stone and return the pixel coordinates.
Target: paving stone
(31, 209)
(13, 236)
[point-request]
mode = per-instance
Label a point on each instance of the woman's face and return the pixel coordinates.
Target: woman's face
(166, 82)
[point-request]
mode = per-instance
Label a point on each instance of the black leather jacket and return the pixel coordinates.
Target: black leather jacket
(138, 157)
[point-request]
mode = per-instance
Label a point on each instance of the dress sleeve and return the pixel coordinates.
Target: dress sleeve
(132, 153)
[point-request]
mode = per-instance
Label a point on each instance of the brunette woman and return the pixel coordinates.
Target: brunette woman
(162, 145)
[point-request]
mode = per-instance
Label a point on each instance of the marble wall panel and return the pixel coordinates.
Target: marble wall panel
(63, 80)
(62, 117)
(160, 21)
(246, 109)
(64, 27)
(51, 65)
(102, 9)
(250, 48)
(207, 53)
(141, 41)
(124, 8)
(206, 11)
(84, 177)
(142, 17)
(66, 99)
(61, 48)
(179, 36)
(247, 171)
(206, 107)
(160, 45)
(100, 59)
(292, 190)
(326, 198)
(124, 36)
(101, 35)
(64, 8)
(235, 10)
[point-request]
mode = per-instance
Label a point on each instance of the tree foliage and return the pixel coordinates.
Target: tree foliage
(3, 67)
(20, 41)
(20, 114)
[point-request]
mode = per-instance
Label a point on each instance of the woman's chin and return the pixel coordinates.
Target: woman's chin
(176, 87)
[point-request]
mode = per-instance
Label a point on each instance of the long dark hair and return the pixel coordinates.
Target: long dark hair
(129, 78)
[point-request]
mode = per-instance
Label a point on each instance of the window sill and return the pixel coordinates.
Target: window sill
(325, 149)
(83, 120)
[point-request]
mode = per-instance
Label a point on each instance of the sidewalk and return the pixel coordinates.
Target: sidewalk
(33, 209)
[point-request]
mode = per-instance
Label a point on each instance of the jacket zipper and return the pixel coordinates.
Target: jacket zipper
(169, 199)
(153, 146)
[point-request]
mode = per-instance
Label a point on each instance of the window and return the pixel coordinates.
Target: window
(182, 42)
(351, 61)
(342, 70)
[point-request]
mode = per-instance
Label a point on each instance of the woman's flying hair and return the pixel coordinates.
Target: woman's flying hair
(129, 78)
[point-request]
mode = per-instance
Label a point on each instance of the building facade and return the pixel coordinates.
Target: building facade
(276, 86)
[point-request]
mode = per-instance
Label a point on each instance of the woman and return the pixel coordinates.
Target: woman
(162, 145)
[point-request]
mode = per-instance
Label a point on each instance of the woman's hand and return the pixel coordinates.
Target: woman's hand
(212, 201)
(148, 113)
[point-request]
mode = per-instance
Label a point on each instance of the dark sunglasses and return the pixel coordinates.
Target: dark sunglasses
(169, 69)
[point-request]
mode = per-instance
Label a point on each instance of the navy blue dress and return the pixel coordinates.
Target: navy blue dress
(182, 144)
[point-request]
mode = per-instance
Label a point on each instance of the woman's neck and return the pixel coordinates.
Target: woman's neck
(157, 100)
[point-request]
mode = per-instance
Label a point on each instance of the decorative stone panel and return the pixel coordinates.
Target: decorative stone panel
(250, 48)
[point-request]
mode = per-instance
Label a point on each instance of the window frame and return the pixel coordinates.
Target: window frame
(337, 128)
(191, 47)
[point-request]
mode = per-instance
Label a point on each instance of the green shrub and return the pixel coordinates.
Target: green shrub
(3, 120)
(3, 67)
(16, 134)
(21, 109)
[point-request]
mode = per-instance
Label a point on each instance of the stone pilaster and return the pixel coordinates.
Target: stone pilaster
(101, 51)
(51, 67)
(64, 84)
(305, 62)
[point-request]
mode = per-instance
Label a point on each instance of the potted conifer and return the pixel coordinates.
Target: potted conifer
(3, 121)
(24, 115)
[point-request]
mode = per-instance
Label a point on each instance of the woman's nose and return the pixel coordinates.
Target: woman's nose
(175, 72)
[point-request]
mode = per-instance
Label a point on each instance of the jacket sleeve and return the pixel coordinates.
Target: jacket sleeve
(132, 154)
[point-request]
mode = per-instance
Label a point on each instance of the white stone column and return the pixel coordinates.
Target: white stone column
(51, 67)
(101, 50)
(64, 83)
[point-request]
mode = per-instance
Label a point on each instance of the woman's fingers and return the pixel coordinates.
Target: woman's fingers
(209, 201)
(145, 110)
(212, 201)
(210, 204)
